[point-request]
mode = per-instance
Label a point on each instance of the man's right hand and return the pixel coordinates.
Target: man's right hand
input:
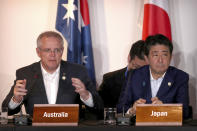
(19, 90)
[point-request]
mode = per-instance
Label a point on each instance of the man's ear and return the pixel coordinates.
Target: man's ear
(128, 59)
(38, 52)
(171, 56)
(146, 59)
(62, 50)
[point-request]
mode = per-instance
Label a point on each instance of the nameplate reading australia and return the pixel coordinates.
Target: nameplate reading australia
(159, 115)
(55, 115)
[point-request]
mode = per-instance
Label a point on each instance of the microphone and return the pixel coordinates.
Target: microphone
(22, 119)
(123, 119)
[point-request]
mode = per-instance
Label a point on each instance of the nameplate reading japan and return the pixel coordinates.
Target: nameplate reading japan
(159, 115)
(55, 114)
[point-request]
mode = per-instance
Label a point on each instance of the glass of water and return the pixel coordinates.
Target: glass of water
(4, 115)
(110, 116)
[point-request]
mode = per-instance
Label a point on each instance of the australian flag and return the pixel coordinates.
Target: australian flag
(74, 24)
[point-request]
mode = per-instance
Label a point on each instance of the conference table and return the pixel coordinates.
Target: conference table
(99, 126)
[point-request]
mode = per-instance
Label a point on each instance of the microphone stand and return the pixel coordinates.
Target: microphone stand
(21, 119)
(123, 119)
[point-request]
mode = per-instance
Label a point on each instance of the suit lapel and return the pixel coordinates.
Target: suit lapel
(62, 83)
(39, 83)
(123, 78)
(146, 85)
(165, 85)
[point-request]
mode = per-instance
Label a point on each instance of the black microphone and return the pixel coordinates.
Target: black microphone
(123, 119)
(22, 119)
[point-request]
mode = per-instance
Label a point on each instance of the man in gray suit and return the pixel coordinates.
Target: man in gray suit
(51, 80)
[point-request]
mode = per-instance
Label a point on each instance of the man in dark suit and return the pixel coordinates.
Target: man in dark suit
(157, 82)
(111, 87)
(51, 80)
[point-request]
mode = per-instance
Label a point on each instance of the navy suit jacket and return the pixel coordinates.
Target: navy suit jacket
(173, 89)
(66, 92)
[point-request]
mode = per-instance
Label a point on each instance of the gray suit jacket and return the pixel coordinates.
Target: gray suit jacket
(66, 92)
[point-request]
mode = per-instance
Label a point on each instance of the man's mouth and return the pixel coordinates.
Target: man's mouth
(52, 60)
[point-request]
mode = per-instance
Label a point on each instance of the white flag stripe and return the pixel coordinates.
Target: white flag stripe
(80, 20)
(161, 3)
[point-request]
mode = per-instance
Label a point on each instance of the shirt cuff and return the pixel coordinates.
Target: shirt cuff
(129, 113)
(89, 102)
(12, 105)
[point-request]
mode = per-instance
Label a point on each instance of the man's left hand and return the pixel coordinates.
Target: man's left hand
(155, 100)
(80, 88)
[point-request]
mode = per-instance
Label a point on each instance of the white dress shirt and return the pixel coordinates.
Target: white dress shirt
(51, 82)
(155, 84)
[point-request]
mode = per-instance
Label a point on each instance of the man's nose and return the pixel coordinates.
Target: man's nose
(52, 53)
(160, 59)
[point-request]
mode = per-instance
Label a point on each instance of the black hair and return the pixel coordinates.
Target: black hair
(137, 49)
(157, 39)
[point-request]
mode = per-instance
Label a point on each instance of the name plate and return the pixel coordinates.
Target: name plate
(55, 115)
(159, 115)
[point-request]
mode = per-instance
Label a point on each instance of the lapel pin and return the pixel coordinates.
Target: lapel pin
(64, 76)
(35, 76)
(169, 83)
(143, 83)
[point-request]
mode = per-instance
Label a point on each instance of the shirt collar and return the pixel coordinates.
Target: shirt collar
(151, 77)
(45, 73)
(126, 72)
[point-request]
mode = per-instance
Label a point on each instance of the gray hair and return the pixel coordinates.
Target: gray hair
(49, 34)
